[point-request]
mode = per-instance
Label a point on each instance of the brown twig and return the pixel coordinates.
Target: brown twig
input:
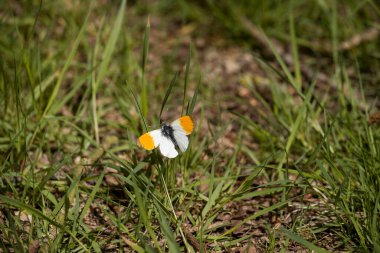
(309, 74)
(356, 40)
(321, 46)
(193, 241)
(261, 38)
(264, 41)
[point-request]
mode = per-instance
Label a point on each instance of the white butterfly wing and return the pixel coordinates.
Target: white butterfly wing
(167, 147)
(181, 128)
(180, 135)
(181, 139)
(151, 139)
(156, 135)
(184, 124)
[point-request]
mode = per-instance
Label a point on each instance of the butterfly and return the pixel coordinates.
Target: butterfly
(170, 137)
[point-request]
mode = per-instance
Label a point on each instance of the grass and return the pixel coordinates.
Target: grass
(79, 84)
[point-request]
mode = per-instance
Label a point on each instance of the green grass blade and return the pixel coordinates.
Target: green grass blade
(187, 74)
(91, 197)
(191, 105)
(374, 229)
(293, 37)
(58, 207)
(257, 214)
(300, 120)
(39, 214)
(111, 43)
(133, 245)
(167, 94)
(50, 173)
(139, 111)
(67, 64)
(302, 241)
(165, 227)
(12, 227)
(106, 58)
(334, 31)
(143, 212)
(140, 203)
(144, 92)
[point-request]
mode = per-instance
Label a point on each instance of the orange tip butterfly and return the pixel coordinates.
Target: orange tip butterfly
(170, 137)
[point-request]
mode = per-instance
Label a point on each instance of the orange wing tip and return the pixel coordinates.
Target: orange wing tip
(187, 124)
(146, 141)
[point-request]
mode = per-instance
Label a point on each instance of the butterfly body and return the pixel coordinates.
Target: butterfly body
(168, 131)
(169, 137)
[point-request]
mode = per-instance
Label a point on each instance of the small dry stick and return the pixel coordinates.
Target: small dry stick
(193, 241)
(357, 39)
